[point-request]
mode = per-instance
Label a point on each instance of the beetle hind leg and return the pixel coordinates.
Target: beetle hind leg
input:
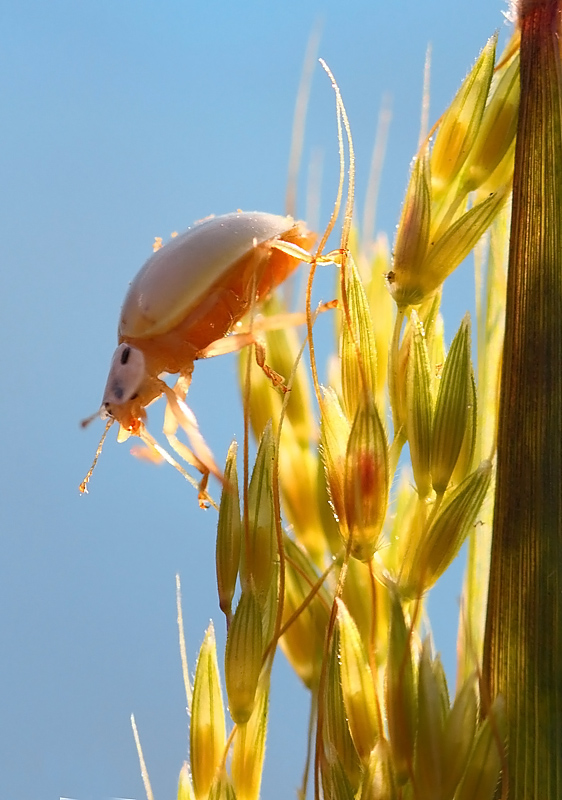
(276, 379)
(236, 342)
(291, 249)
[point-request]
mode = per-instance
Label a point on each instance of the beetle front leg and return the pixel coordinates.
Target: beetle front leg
(205, 500)
(190, 458)
(181, 387)
(198, 454)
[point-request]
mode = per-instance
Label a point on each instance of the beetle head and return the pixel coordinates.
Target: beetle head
(122, 397)
(127, 391)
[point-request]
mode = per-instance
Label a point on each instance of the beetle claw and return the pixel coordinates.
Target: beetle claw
(202, 495)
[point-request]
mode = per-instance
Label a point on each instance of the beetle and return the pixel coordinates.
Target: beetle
(187, 297)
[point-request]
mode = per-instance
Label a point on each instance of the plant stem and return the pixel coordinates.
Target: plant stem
(523, 638)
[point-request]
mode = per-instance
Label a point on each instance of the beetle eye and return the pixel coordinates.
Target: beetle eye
(126, 374)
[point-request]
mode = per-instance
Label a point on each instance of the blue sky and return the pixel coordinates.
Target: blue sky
(123, 121)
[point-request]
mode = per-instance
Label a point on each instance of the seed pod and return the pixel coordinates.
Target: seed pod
(381, 309)
(458, 737)
(328, 522)
(419, 405)
(268, 607)
(222, 788)
(335, 430)
(400, 695)
(497, 129)
(468, 446)
(441, 542)
(405, 280)
(366, 480)
(397, 381)
(335, 783)
(358, 353)
(228, 535)
(501, 178)
(336, 739)
(298, 479)
(406, 508)
(207, 732)
(259, 545)
(451, 409)
(483, 769)
(461, 122)
(368, 605)
(378, 780)
(454, 521)
(445, 254)
(357, 686)
(185, 789)
(435, 340)
(442, 689)
(249, 748)
(429, 764)
(243, 656)
(430, 317)
(303, 641)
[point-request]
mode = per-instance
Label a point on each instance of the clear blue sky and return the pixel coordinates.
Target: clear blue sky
(123, 121)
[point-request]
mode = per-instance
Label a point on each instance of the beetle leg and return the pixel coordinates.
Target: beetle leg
(146, 452)
(189, 456)
(235, 342)
(275, 322)
(246, 336)
(232, 343)
(199, 454)
(276, 379)
(333, 257)
(205, 500)
(181, 388)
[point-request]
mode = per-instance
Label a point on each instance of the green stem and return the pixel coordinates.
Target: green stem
(523, 638)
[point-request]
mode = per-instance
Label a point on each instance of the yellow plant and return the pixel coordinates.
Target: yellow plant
(339, 539)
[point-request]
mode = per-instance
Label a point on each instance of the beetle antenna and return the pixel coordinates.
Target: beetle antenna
(84, 485)
(85, 422)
